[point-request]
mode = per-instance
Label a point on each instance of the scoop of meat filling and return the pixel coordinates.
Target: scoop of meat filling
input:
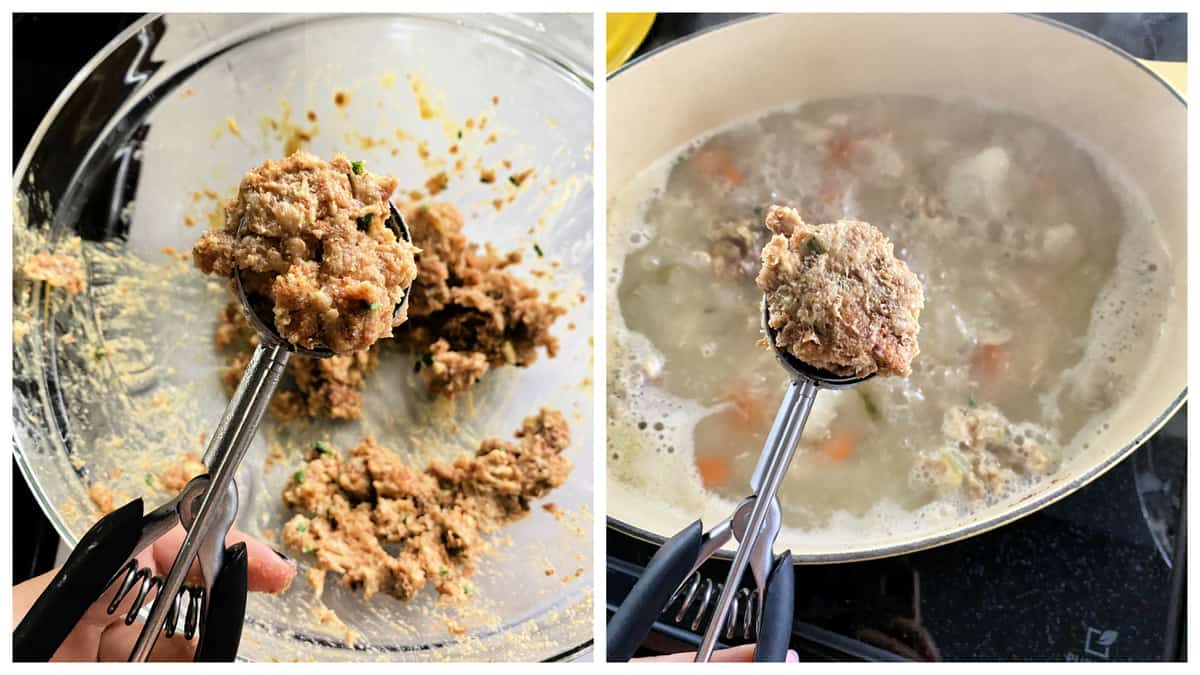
(388, 527)
(314, 243)
(837, 297)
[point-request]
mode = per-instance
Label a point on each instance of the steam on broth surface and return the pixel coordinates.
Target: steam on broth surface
(1039, 268)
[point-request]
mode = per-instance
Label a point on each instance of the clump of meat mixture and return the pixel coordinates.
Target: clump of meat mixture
(387, 527)
(315, 388)
(104, 497)
(176, 476)
(733, 248)
(837, 298)
(471, 301)
(58, 270)
(983, 453)
(314, 243)
(449, 373)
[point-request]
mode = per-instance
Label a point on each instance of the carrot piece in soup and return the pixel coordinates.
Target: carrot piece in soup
(839, 446)
(991, 360)
(720, 164)
(839, 149)
(714, 471)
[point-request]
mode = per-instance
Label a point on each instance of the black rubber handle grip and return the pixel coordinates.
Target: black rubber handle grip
(221, 631)
(631, 623)
(80, 582)
(778, 604)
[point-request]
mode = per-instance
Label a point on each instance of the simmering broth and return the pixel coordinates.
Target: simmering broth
(1040, 266)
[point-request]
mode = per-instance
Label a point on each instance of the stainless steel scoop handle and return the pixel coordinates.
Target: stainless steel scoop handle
(772, 466)
(223, 456)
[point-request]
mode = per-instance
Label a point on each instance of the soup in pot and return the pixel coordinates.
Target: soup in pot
(1041, 269)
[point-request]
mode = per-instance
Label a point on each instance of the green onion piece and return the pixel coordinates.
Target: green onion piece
(150, 480)
(814, 246)
(323, 449)
(538, 249)
(404, 520)
(357, 165)
(375, 306)
(466, 590)
(971, 402)
(514, 181)
(98, 353)
(460, 134)
(443, 571)
(365, 221)
(302, 527)
(299, 476)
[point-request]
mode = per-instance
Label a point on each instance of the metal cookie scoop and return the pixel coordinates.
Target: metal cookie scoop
(106, 556)
(754, 524)
(762, 527)
(238, 426)
(228, 444)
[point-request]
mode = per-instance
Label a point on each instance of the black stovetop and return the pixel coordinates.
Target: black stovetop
(1098, 576)
(1089, 578)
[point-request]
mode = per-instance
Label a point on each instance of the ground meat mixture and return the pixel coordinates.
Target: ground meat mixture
(315, 388)
(983, 454)
(315, 244)
(387, 527)
(449, 373)
(104, 497)
(470, 300)
(176, 476)
(838, 298)
(57, 269)
(733, 248)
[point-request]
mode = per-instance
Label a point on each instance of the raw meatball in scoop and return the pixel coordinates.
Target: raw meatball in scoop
(314, 242)
(837, 298)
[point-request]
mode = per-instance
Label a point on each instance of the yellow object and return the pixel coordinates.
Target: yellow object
(624, 33)
(1174, 72)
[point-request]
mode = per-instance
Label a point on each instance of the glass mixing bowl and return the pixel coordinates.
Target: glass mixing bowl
(114, 384)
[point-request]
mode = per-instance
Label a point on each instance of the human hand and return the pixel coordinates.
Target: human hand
(100, 636)
(739, 654)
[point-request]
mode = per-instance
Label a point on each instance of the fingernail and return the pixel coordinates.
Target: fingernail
(284, 556)
(792, 657)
